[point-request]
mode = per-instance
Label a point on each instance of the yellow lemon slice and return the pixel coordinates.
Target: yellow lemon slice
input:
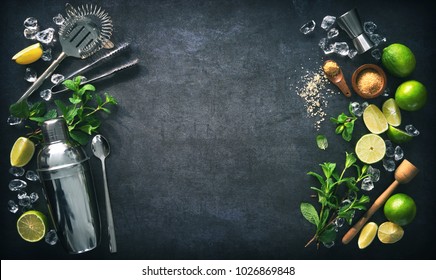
(22, 152)
(367, 235)
(389, 233)
(29, 55)
(32, 226)
(374, 119)
(392, 112)
(370, 148)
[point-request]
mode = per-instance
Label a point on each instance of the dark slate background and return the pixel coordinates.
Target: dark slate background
(210, 141)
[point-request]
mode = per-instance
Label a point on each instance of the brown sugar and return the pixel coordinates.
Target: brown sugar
(331, 68)
(369, 81)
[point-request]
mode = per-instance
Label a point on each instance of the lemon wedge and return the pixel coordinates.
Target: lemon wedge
(29, 55)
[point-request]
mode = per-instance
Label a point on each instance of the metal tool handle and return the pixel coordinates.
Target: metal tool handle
(110, 219)
(42, 78)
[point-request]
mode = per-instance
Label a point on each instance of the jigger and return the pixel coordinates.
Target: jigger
(350, 22)
(403, 174)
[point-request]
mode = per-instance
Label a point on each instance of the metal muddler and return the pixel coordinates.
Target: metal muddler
(350, 22)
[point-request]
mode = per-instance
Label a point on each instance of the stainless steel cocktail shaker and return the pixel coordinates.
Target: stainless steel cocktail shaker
(63, 167)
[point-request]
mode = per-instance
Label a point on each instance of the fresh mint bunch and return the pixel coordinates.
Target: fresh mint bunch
(345, 124)
(338, 197)
(80, 114)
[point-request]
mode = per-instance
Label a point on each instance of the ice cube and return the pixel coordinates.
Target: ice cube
(388, 143)
(411, 130)
(328, 22)
(369, 27)
(377, 39)
(33, 197)
(32, 175)
(12, 120)
(367, 184)
(12, 206)
(31, 23)
(16, 171)
(51, 237)
(398, 153)
(57, 78)
(352, 53)
(386, 92)
(30, 75)
(46, 94)
(29, 33)
(46, 55)
(389, 164)
(59, 19)
(332, 33)
(341, 48)
(325, 46)
(356, 109)
(22, 194)
(45, 36)
(390, 151)
(364, 105)
(376, 54)
(308, 27)
(329, 244)
(24, 201)
(374, 174)
(17, 185)
(339, 222)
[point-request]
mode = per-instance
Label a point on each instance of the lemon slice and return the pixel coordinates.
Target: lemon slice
(32, 226)
(392, 112)
(367, 235)
(398, 136)
(29, 55)
(22, 152)
(389, 232)
(374, 119)
(370, 148)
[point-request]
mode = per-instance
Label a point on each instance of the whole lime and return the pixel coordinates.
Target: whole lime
(399, 60)
(400, 209)
(411, 95)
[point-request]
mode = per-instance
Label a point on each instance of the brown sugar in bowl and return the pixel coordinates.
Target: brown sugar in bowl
(369, 81)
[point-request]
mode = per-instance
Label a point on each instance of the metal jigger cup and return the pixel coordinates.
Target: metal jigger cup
(350, 22)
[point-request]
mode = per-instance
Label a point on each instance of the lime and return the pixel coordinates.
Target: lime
(400, 209)
(367, 235)
(374, 119)
(29, 55)
(398, 136)
(399, 60)
(370, 148)
(389, 233)
(411, 95)
(32, 226)
(392, 112)
(22, 152)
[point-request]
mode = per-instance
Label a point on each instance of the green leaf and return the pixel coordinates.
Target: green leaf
(346, 135)
(309, 213)
(339, 129)
(342, 118)
(71, 85)
(322, 142)
(79, 136)
(38, 109)
(62, 107)
(350, 159)
(106, 110)
(88, 129)
(317, 176)
(334, 120)
(328, 168)
(20, 110)
(110, 99)
(71, 114)
(86, 87)
(98, 99)
(75, 100)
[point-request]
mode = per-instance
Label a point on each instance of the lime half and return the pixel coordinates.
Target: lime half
(32, 226)
(392, 112)
(370, 148)
(389, 233)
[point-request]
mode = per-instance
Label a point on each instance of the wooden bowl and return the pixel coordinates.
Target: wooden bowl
(369, 81)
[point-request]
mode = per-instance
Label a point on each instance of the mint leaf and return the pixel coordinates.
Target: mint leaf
(328, 168)
(350, 159)
(20, 110)
(309, 213)
(79, 136)
(37, 109)
(322, 142)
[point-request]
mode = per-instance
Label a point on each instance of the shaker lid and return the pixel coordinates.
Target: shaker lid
(55, 130)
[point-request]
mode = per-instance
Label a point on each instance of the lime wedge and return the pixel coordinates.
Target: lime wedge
(389, 233)
(392, 112)
(374, 119)
(398, 136)
(367, 235)
(32, 226)
(22, 152)
(370, 148)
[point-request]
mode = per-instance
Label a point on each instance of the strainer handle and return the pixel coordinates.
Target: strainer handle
(44, 76)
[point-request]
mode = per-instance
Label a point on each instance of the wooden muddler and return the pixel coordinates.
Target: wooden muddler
(403, 174)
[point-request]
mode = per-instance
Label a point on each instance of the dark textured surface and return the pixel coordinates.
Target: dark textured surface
(210, 141)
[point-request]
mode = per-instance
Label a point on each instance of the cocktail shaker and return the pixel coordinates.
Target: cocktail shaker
(63, 167)
(350, 22)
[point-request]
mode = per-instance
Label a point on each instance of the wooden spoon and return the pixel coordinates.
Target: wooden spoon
(403, 174)
(338, 80)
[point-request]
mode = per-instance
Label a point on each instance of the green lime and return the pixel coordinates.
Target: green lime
(397, 135)
(411, 95)
(400, 209)
(399, 60)
(32, 226)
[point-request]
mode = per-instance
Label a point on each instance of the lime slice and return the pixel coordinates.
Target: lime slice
(367, 235)
(374, 119)
(398, 136)
(392, 112)
(370, 148)
(22, 152)
(32, 226)
(29, 55)
(389, 232)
